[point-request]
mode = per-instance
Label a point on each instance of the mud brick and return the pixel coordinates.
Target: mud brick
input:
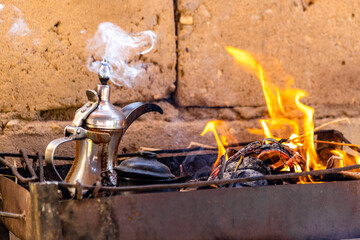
(315, 42)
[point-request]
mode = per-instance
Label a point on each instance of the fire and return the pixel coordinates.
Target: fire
(289, 119)
(345, 158)
(286, 121)
(341, 154)
(221, 141)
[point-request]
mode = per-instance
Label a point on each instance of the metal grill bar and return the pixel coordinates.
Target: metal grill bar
(216, 182)
(165, 151)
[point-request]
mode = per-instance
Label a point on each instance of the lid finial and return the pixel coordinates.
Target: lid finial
(104, 72)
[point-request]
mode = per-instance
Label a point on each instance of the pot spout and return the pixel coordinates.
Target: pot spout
(135, 110)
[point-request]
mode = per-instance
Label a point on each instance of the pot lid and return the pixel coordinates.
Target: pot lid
(144, 165)
(105, 116)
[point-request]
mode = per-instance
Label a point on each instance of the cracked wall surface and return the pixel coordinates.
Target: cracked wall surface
(189, 74)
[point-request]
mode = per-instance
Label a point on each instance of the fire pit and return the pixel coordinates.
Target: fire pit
(193, 210)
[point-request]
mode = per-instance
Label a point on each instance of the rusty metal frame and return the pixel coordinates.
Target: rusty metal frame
(328, 210)
(16, 201)
(308, 211)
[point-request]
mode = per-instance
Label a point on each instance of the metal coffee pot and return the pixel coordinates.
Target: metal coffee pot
(97, 129)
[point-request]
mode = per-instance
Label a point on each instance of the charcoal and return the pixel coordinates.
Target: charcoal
(255, 164)
(249, 167)
(245, 173)
(196, 168)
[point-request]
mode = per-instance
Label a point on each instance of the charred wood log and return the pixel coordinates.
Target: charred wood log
(258, 158)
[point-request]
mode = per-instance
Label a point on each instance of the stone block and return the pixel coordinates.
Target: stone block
(33, 136)
(315, 42)
(43, 51)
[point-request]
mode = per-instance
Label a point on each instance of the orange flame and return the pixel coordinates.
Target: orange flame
(346, 158)
(341, 154)
(289, 119)
(279, 103)
(211, 127)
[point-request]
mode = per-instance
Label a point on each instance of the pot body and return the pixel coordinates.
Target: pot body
(92, 158)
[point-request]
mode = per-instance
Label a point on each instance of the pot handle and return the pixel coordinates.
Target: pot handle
(71, 133)
(50, 151)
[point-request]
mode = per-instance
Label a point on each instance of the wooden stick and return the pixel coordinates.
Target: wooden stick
(321, 126)
(337, 143)
(149, 149)
(196, 144)
(332, 122)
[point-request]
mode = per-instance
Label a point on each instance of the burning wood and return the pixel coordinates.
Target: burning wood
(259, 158)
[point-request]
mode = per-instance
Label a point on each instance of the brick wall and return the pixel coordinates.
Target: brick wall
(189, 74)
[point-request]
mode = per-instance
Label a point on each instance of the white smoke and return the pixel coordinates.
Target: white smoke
(13, 16)
(1, 8)
(19, 27)
(121, 50)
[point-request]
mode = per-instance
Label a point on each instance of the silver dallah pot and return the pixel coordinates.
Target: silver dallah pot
(97, 129)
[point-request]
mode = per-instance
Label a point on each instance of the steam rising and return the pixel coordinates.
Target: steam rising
(13, 15)
(19, 27)
(121, 50)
